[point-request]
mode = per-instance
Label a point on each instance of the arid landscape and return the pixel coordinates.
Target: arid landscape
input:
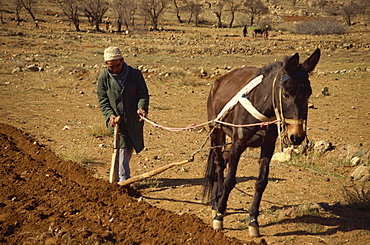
(55, 152)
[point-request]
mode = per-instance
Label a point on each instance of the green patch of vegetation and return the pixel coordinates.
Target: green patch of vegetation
(242, 227)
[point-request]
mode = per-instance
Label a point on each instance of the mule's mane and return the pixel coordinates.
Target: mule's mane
(267, 69)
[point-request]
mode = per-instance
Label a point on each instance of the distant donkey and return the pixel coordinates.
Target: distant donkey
(257, 32)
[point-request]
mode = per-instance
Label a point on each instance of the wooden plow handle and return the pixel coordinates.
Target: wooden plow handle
(113, 175)
(151, 173)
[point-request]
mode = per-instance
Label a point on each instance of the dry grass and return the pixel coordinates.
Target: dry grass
(357, 195)
(77, 155)
(98, 130)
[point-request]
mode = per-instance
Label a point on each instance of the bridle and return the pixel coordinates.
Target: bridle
(278, 109)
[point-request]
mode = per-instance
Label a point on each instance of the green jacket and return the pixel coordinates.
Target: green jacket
(124, 103)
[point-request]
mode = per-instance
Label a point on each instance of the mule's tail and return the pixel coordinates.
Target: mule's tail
(209, 176)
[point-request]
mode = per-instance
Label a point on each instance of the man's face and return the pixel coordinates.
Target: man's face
(115, 66)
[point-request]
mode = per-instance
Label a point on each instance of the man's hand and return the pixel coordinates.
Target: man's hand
(142, 113)
(112, 122)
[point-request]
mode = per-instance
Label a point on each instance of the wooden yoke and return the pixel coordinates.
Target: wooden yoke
(113, 176)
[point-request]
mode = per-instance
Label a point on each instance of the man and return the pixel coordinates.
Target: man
(265, 32)
(245, 31)
(122, 91)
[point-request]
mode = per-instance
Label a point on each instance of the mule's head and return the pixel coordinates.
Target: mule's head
(294, 94)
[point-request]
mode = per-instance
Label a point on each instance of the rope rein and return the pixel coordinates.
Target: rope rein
(194, 126)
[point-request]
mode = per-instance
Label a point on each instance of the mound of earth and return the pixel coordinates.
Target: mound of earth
(46, 200)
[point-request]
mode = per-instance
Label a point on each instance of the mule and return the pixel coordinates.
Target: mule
(257, 32)
(282, 94)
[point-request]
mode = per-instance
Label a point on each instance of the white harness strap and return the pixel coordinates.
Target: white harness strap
(244, 101)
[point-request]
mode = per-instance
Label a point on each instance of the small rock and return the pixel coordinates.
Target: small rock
(33, 68)
(202, 72)
(361, 173)
(355, 161)
(140, 199)
(322, 146)
(282, 157)
(324, 92)
(17, 69)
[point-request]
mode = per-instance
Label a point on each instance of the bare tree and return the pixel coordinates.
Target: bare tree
(125, 10)
(349, 11)
(180, 5)
(71, 9)
(194, 9)
(293, 2)
(255, 8)
(2, 10)
(17, 6)
(29, 5)
(217, 9)
(322, 3)
(152, 9)
(233, 6)
(95, 10)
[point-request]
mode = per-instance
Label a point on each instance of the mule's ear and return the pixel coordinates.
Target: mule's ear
(292, 63)
(312, 61)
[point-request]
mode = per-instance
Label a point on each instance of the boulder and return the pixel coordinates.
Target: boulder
(361, 173)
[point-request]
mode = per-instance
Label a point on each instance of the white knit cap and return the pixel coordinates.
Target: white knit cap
(112, 53)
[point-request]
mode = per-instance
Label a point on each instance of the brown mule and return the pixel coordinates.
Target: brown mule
(283, 94)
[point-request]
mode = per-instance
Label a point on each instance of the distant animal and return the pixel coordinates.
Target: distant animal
(257, 32)
(283, 94)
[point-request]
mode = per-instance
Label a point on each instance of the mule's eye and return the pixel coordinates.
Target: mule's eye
(285, 95)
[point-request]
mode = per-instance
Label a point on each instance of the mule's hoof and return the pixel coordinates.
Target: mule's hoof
(214, 212)
(218, 224)
(254, 231)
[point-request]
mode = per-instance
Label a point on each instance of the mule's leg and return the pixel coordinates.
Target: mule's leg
(216, 166)
(229, 183)
(260, 186)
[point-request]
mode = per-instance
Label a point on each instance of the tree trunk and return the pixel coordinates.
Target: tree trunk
(119, 26)
(76, 22)
(2, 17)
(232, 19)
(97, 25)
(31, 14)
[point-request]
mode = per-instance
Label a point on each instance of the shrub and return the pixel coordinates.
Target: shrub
(357, 195)
(319, 27)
